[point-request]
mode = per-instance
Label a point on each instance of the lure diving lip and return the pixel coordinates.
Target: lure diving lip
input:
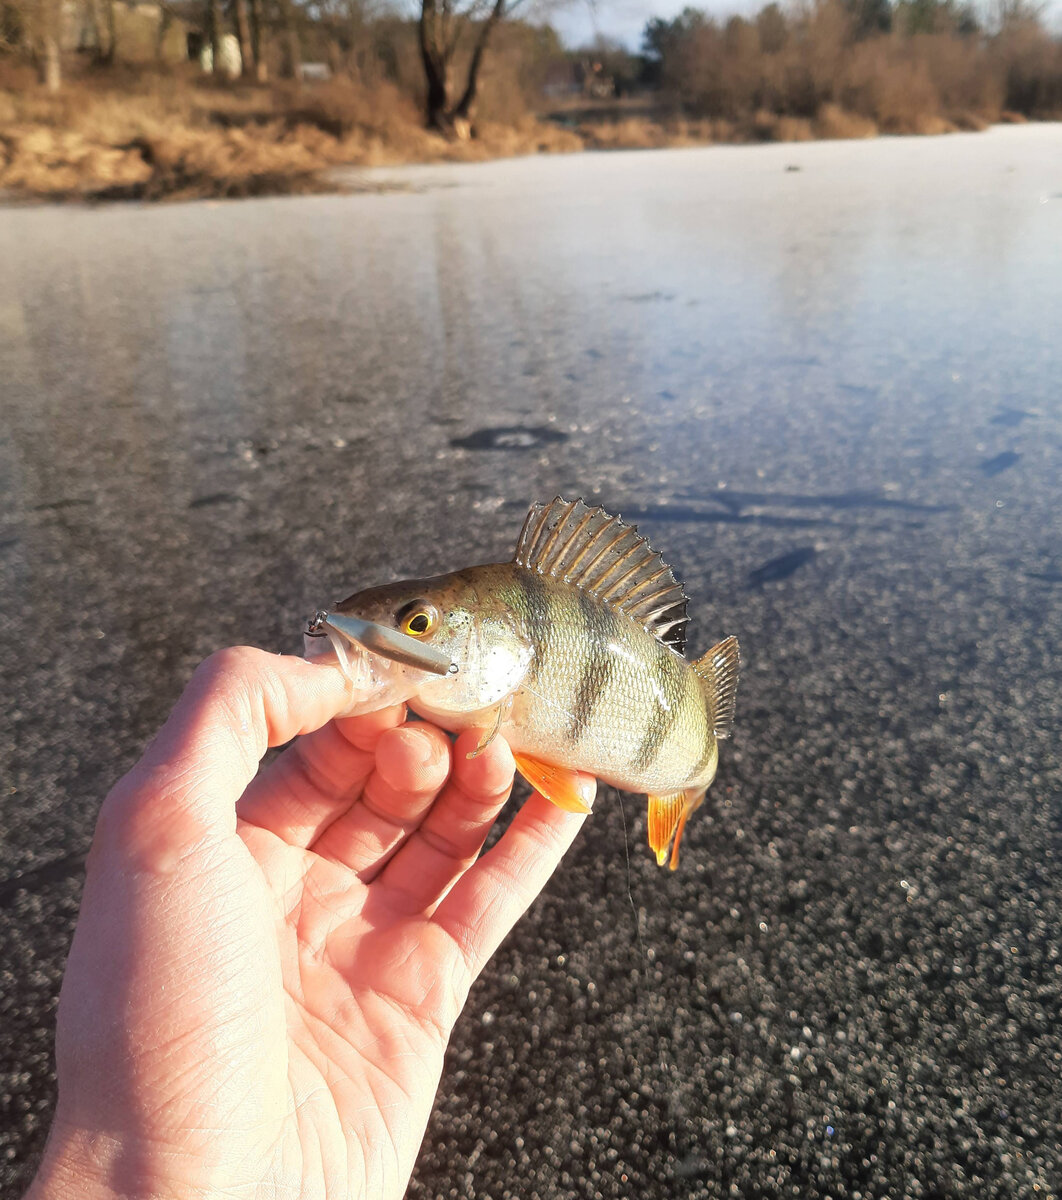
(388, 643)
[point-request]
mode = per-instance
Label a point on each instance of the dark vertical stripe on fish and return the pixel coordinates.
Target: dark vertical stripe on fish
(599, 623)
(536, 605)
(668, 688)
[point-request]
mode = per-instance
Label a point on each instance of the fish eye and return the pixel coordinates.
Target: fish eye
(418, 619)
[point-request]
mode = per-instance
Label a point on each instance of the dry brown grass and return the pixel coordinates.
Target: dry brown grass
(833, 122)
(497, 139)
(792, 129)
(649, 133)
(658, 131)
(628, 133)
(162, 140)
(171, 136)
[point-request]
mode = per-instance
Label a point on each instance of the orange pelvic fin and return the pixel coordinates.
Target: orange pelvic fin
(667, 819)
(558, 784)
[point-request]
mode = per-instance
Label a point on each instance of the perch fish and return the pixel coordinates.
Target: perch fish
(573, 652)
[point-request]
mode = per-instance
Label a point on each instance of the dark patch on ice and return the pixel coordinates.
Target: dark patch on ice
(782, 567)
(737, 502)
(796, 360)
(60, 505)
(1010, 418)
(509, 437)
(700, 516)
(213, 499)
(649, 297)
(1000, 463)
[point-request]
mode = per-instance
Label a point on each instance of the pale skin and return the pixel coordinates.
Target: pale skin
(268, 966)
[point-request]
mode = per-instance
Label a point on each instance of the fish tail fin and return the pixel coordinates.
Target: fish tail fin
(718, 670)
(668, 813)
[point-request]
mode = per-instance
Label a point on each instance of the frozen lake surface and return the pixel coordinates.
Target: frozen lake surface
(826, 379)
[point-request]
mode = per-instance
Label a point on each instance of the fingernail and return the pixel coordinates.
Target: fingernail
(588, 790)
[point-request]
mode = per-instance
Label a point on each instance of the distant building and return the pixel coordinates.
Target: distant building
(315, 72)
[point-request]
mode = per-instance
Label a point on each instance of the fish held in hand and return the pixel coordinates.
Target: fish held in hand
(573, 652)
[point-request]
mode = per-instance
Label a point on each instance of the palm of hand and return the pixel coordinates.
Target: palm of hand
(286, 982)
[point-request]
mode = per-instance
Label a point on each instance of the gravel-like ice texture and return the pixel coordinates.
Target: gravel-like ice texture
(833, 398)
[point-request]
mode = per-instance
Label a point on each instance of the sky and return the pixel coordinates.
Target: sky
(579, 20)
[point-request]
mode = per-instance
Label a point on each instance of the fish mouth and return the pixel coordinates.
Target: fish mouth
(344, 632)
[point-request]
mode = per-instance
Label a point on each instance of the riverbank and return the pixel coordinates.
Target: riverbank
(175, 136)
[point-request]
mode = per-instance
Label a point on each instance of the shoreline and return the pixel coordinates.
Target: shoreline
(296, 144)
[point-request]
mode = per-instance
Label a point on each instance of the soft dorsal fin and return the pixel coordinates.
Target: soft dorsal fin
(584, 546)
(719, 670)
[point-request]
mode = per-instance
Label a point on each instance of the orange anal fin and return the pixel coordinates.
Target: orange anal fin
(673, 864)
(561, 786)
(667, 819)
(665, 814)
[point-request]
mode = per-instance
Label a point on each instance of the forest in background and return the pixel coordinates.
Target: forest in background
(120, 98)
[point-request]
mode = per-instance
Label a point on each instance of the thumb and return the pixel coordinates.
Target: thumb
(239, 702)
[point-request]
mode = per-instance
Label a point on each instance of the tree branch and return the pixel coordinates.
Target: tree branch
(464, 106)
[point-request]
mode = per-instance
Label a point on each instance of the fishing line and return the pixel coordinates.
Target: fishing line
(664, 1062)
(630, 893)
(550, 703)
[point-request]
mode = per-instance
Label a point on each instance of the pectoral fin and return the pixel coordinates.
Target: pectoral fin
(491, 733)
(667, 819)
(558, 784)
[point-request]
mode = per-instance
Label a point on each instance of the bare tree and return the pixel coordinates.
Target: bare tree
(443, 28)
(258, 39)
(44, 19)
(105, 29)
(216, 26)
(167, 18)
(1011, 14)
(243, 33)
(291, 58)
(34, 29)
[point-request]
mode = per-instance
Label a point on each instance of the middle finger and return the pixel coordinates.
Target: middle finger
(412, 763)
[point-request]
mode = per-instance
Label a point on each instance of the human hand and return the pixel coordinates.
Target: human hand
(266, 969)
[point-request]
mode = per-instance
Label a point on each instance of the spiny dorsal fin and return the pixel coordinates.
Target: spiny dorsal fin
(719, 670)
(584, 546)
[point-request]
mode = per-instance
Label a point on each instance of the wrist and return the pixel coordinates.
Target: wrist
(85, 1166)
